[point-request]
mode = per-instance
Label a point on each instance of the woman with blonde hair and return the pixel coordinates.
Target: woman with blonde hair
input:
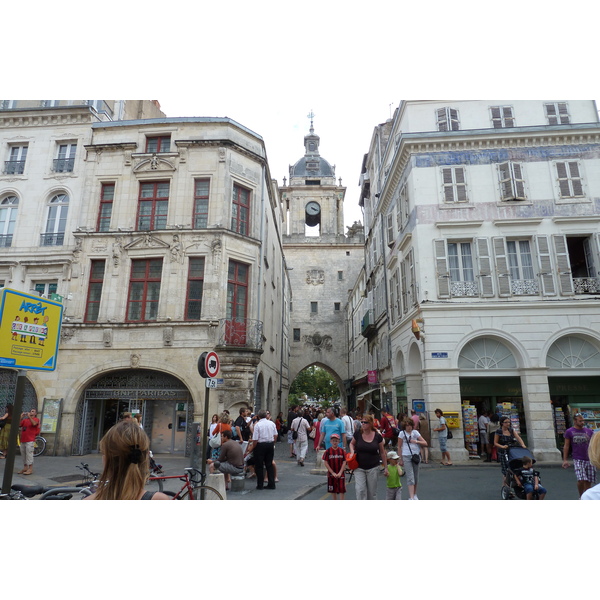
(594, 456)
(125, 458)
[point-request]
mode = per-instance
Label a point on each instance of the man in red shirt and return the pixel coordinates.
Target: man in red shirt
(30, 429)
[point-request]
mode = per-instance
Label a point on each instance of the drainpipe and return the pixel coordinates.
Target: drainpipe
(261, 262)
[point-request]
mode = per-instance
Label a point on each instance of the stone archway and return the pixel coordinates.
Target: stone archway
(338, 380)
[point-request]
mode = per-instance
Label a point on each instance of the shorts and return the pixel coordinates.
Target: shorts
(443, 443)
(336, 485)
(529, 489)
(584, 471)
(394, 493)
(227, 467)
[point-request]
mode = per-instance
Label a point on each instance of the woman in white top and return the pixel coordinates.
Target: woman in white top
(594, 455)
(409, 445)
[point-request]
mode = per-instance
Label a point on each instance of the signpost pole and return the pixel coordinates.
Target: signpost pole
(9, 465)
(205, 446)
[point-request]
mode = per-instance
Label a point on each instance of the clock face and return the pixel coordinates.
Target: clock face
(313, 209)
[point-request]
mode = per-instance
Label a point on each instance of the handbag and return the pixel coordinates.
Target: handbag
(215, 440)
(415, 458)
(351, 461)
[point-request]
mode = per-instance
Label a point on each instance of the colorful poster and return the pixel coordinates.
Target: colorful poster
(29, 331)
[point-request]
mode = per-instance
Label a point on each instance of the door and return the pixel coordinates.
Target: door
(237, 303)
(168, 426)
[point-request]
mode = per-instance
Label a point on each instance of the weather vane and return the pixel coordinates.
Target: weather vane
(311, 115)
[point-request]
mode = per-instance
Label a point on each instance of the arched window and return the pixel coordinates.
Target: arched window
(57, 221)
(571, 352)
(8, 216)
(486, 353)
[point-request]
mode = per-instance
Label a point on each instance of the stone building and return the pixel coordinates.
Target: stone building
(163, 236)
(323, 263)
(482, 261)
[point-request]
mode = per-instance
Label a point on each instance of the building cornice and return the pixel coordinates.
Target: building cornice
(47, 117)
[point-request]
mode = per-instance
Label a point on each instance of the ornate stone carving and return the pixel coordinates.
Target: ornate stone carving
(318, 342)
(107, 337)
(134, 360)
(315, 277)
(168, 336)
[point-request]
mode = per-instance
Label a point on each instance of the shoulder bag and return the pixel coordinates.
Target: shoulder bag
(415, 458)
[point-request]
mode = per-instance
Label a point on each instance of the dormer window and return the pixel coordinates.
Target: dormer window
(158, 143)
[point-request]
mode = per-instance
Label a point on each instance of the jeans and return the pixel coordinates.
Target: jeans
(263, 457)
(366, 483)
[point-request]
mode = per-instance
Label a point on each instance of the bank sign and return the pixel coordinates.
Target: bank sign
(29, 331)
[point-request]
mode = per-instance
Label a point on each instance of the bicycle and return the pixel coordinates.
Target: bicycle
(89, 479)
(39, 446)
(26, 492)
(193, 487)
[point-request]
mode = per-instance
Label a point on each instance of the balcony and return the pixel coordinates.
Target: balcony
(586, 285)
(241, 333)
(367, 325)
(14, 167)
(63, 165)
(52, 239)
(464, 289)
(6, 241)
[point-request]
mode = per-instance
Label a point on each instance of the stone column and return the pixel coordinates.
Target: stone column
(441, 389)
(538, 414)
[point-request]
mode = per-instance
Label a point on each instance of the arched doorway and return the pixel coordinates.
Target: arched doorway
(163, 400)
(8, 387)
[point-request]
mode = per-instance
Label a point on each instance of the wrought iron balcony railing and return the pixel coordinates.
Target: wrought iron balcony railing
(586, 285)
(14, 167)
(52, 239)
(63, 165)
(241, 333)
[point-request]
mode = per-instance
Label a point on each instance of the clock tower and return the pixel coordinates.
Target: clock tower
(313, 202)
(322, 264)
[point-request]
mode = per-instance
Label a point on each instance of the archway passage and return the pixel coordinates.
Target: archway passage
(318, 384)
(164, 402)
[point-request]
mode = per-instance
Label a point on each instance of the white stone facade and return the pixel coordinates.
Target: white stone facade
(481, 220)
(179, 217)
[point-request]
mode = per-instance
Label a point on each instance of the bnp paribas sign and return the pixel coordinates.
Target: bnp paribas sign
(29, 331)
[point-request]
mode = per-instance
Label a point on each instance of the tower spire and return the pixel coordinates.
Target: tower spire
(311, 116)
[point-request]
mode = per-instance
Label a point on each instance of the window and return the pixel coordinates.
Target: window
(502, 116)
(557, 113)
(296, 335)
(447, 119)
(153, 206)
(56, 222)
(107, 195)
(237, 303)
(314, 307)
(454, 184)
(45, 289)
(520, 267)
(460, 268)
(8, 218)
(65, 161)
(193, 302)
(240, 218)
(92, 305)
(336, 306)
(159, 143)
(144, 289)
(512, 184)
(15, 165)
(201, 189)
(569, 180)
(340, 275)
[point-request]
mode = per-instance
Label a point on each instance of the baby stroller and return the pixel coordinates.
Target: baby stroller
(515, 463)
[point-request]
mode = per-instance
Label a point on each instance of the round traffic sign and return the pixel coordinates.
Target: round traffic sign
(211, 364)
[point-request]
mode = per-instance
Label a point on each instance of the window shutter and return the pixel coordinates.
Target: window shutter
(518, 181)
(509, 120)
(506, 188)
(461, 187)
(390, 228)
(545, 264)
(563, 263)
(441, 266)
(551, 114)
(576, 179)
(563, 113)
(502, 271)
(453, 119)
(496, 117)
(442, 120)
(486, 285)
(413, 281)
(448, 187)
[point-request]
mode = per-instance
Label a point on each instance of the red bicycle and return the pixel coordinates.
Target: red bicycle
(193, 487)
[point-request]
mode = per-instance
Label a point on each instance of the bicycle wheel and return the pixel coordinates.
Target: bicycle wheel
(155, 485)
(202, 492)
(39, 446)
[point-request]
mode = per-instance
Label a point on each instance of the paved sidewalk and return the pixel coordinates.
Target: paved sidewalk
(294, 483)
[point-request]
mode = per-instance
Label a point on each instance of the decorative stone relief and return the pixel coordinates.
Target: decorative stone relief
(318, 342)
(315, 277)
(107, 337)
(176, 250)
(168, 336)
(66, 334)
(134, 360)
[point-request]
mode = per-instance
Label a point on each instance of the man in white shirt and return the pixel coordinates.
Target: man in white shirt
(263, 441)
(483, 436)
(348, 424)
